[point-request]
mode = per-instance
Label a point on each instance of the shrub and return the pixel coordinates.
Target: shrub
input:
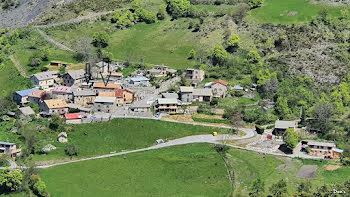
(221, 148)
(259, 129)
(179, 8)
(71, 150)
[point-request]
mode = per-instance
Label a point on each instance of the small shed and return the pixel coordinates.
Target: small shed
(73, 118)
(27, 111)
(62, 137)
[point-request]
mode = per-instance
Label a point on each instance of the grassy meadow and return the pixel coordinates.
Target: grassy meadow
(290, 11)
(117, 135)
(189, 170)
(249, 165)
(11, 80)
(165, 42)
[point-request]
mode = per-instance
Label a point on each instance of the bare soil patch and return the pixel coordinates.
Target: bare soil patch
(332, 167)
(307, 171)
(292, 13)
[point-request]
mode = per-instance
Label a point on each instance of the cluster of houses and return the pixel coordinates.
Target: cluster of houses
(56, 94)
(313, 148)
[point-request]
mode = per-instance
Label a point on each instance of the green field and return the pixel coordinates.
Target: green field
(11, 80)
(26, 48)
(290, 11)
(117, 135)
(164, 42)
(249, 165)
(190, 170)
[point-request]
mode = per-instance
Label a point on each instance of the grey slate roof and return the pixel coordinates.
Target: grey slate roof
(170, 95)
(27, 111)
(202, 92)
(84, 93)
(101, 99)
(315, 143)
(45, 75)
(281, 124)
(186, 89)
(77, 74)
(163, 101)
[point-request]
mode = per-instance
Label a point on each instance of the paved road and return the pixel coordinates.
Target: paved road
(181, 141)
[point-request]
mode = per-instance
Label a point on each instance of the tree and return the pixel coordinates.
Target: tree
(62, 70)
(35, 62)
(257, 188)
(71, 150)
(219, 55)
(56, 122)
(322, 112)
(291, 138)
(179, 8)
(84, 49)
(279, 189)
(192, 54)
(45, 52)
(282, 107)
(10, 181)
(40, 188)
(255, 3)
(100, 39)
(240, 12)
(161, 14)
(253, 57)
(233, 43)
(235, 116)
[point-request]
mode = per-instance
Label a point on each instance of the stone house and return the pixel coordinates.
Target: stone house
(63, 92)
(83, 97)
(9, 148)
(53, 106)
(167, 105)
(128, 96)
(73, 118)
(115, 76)
(140, 107)
(44, 80)
(324, 149)
(105, 104)
(281, 126)
(202, 95)
(139, 81)
(186, 94)
(219, 88)
(37, 96)
(160, 71)
(26, 111)
(74, 77)
(21, 97)
(194, 75)
(101, 87)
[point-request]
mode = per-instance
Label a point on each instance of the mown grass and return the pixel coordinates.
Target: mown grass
(276, 11)
(249, 165)
(190, 170)
(118, 135)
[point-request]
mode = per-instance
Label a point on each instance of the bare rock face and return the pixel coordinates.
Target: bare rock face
(25, 13)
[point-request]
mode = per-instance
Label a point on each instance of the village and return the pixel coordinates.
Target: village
(100, 92)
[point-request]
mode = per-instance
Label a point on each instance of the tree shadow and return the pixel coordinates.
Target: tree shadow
(285, 149)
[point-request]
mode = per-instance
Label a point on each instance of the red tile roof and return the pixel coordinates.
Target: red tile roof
(221, 82)
(72, 116)
(119, 93)
(109, 85)
(37, 93)
(62, 89)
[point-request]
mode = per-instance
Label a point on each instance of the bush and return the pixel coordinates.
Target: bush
(71, 150)
(259, 129)
(179, 8)
(221, 148)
